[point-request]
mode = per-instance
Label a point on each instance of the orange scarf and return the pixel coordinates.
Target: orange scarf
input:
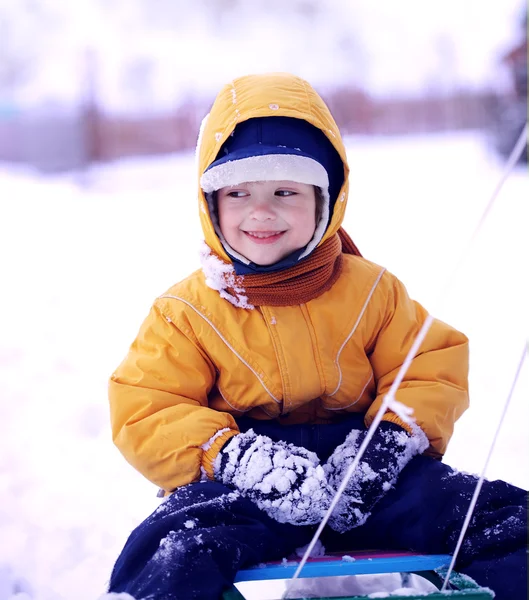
(310, 278)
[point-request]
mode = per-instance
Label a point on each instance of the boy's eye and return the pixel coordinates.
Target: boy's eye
(237, 194)
(284, 193)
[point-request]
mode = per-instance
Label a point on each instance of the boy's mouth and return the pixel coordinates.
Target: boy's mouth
(264, 237)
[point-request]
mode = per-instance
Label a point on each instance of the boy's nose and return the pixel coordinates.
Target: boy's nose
(262, 211)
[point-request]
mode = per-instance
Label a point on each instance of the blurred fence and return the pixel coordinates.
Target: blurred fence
(56, 139)
(49, 140)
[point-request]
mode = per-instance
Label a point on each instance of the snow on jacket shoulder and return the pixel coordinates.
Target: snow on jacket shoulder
(198, 362)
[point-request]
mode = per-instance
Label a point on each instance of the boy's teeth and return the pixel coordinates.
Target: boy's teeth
(262, 235)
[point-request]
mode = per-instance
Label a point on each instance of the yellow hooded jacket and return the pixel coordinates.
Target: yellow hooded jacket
(198, 361)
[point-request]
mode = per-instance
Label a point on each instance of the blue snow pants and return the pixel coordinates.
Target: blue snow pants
(191, 547)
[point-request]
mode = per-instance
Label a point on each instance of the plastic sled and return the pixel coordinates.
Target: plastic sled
(430, 567)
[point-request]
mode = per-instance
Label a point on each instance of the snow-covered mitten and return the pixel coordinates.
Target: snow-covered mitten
(285, 481)
(388, 452)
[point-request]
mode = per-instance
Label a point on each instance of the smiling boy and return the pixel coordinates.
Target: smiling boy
(248, 390)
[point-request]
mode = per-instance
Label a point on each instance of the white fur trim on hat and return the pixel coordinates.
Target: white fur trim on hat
(267, 167)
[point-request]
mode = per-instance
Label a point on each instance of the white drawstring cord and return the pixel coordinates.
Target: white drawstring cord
(482, 476)
(389, 398)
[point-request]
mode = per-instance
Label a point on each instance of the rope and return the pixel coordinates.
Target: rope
(389, 398)
(482, 476)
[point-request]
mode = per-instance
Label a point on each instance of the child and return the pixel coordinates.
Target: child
(247, 392)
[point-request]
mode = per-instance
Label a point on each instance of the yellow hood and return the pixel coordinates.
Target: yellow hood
(270, 95)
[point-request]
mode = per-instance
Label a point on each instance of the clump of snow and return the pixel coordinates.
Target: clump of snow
(317, 551)
(402, 411)
(285, 481)
(413, 444)
(221, 276)
(114, 596)
(347, 558)
(170, 546)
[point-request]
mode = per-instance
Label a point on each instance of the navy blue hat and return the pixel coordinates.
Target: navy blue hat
(295, 151)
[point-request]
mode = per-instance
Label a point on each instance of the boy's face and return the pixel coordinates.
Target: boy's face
(267, 220)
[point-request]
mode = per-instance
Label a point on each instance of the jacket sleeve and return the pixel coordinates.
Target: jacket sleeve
(159, 405)
(436, 384)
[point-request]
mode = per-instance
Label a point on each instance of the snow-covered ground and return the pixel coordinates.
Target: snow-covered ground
(82, 258)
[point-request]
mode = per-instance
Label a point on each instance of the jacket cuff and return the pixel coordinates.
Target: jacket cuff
(393, 418)
(212, 449)
(418, 437)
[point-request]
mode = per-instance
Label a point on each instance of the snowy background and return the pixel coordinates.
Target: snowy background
(83, 255)
(151, 56)
(81, 266)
